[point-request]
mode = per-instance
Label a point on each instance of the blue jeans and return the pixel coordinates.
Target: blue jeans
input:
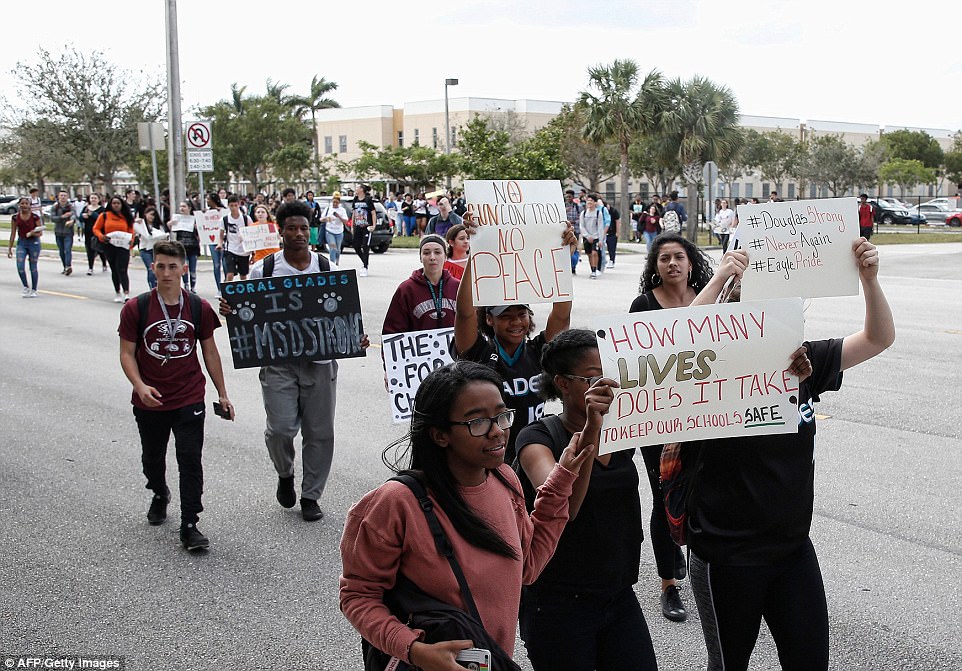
(28, 248)
(649, 238)
(217, 256)
(147, 256)
(566, 631)
(334, 241)
(65, 247)
(410, 224)
(190, 277)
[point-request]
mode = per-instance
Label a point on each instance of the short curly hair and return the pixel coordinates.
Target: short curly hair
(560, 356)
(701, 264)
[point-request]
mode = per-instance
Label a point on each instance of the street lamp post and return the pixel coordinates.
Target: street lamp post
(447, 121)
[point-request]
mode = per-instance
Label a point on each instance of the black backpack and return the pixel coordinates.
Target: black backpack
(268, 268)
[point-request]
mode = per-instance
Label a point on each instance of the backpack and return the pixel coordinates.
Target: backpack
(143, 305)
(268, 269)
(247, 222)
(670, 221)
(678, 473)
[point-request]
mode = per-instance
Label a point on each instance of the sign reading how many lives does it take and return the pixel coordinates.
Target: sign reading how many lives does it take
(710, 371)
(293, 318)
(408, 359)
(799, 248)
(517, 255)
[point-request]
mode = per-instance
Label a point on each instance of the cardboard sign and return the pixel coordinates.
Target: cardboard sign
(294, 318)
(259, 236)
(799, 248)
(711, 371)
(182, 222)
(210, 224)
(517, 255)
(408, 359)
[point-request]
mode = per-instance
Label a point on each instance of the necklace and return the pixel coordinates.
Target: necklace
(172, 326)
(437, 297)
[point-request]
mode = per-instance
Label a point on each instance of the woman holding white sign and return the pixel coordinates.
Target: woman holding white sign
(675, 271)
(150, 229)
(582, 613)
(751, 501)
(115, 230)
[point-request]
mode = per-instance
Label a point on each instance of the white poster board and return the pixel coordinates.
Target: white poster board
(710, 371)
(517, 255)
(149, 237)
(408, 359)
(256, 237)
(182, 222)
(799, 248)
(210, 224)
(120, 239)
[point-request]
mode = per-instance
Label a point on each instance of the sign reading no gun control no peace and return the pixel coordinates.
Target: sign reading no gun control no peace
(710, 371)
(408, 359)
(294, 318)
(799, 248)
(517, 255)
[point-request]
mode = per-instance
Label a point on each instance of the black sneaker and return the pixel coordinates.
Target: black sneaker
(192, 538)
(286, 495)
(671, 605)
(310, 511)
(157, 512)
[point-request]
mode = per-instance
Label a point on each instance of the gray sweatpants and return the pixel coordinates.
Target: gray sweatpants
(301, 396)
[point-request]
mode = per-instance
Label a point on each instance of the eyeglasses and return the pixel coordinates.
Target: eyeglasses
(587, 380)
(480, 426)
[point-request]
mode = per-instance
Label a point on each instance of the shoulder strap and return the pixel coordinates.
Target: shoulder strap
(196, 308)
(440, 539)
(143, 305)
(268, 265)
(322, 262)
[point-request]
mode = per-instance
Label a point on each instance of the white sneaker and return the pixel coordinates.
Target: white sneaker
(126, 297)
(33, 293)
(26, 292)
(594, 274)
(118, 298)
(90, 271)
(363, 272)
(611, 264)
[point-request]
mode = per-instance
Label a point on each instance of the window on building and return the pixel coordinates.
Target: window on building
(766, 190)
(721, 190)
(824, 192)
(400, 138)
(748, 189)
(791, 191)
(890, 192)
(454, 137)
(643, 190)
(434, 138)
(931, 190)
(609, 191)
(417, 136)
(342, 143)
(736, 190)
(812, 191)
(328, 144)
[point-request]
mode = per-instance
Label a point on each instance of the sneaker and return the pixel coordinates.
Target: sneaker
(671, 605)
(594, 274)
(26, 292)
(310, 511)
(68, 271)
(90, 271)
(126, 297)
(157, 512)
(286, 495)
(33, 293)
(118, 298)
(63, 272)
(192, 539)
(363, 272)
(611, 264)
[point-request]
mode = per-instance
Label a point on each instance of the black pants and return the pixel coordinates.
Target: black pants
(187, 423)
(790, 595)
(612, 242)
(119, 260)
(361, 245)
(669, 558)
(91, 244)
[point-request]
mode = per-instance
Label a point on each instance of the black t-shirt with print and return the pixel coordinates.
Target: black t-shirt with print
(599, 551)
(521, 380)
(752, 498)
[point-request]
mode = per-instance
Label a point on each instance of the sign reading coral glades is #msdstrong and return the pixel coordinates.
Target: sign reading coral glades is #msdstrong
(294, 318)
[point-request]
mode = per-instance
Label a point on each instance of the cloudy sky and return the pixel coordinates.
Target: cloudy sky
(834, 60)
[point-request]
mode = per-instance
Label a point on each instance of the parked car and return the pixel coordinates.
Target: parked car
(885, 213)
(937, 214)
(9, 204)
(953, 203)
(383, 234)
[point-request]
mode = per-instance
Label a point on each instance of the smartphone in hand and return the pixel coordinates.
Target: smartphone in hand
(221, 412)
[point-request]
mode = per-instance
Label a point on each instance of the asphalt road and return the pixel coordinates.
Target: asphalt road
(81, 572)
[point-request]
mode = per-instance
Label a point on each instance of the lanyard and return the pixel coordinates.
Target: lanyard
(172, 326)
(437, 297)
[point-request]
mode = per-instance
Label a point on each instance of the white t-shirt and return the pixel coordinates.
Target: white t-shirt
(235, 241)
(335, 225)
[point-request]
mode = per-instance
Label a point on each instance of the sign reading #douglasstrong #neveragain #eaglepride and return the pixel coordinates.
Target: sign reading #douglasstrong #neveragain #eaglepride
(294, 318)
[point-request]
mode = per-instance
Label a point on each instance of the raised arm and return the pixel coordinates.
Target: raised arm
(878, 332)
(733, 264)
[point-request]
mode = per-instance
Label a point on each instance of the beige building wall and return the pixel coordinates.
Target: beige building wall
(339, 130)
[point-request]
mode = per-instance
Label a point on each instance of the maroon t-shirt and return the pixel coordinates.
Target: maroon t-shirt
(180, 381)
(24, 227)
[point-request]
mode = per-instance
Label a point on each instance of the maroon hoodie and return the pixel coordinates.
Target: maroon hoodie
(413, 307)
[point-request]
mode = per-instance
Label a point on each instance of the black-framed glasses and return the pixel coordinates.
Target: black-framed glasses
(480, 426)
(587, 380)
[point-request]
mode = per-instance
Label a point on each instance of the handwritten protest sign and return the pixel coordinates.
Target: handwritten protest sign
(799, 248)
(408, 359)
(182, 222)
(517, 255)
(210, 224)
(256, 237)
(149, 236)
(710, 371)
(294, 318)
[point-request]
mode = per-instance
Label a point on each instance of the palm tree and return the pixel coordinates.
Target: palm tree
(237, 97)
(700, 124)
(276, 91)
(621, 111)
(313, 102)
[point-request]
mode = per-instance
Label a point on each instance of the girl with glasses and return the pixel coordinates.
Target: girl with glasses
(456, 445)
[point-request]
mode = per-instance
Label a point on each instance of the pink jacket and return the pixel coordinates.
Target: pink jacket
(386, 533)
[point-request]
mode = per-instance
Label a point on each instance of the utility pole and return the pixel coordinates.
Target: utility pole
(175, 130)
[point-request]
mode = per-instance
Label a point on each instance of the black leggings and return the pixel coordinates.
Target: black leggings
(361, 246)
(669, 558)
(790, 595)
(90, 243)
(119, 260)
